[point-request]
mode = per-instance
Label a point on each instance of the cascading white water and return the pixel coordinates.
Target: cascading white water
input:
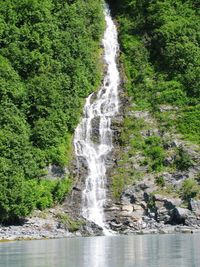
(99, 111)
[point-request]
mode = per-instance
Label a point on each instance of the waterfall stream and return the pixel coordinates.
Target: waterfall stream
(93, 136)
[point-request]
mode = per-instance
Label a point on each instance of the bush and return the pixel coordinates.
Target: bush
(155, 152)
(189, 123)
(160, 181)
(69, 223)
(190, 189)
(49, 63)
(173, 97)
(17, 198)
(51, 192)
(153, 141)
(60, 190)
(118, 184)
(160, 52)
(183, 160)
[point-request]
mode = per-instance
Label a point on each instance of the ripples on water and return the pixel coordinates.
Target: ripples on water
(121, 251)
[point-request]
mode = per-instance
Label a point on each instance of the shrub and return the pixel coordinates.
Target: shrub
(118, 184)
(61, 189)
(189, 123)
(50, 192)
(173, 97)
(69, 223)
(183, 160)
(156, 155)
(160, 181)
(189, 189)
(17, 198)
(153, 140)
(46, 72)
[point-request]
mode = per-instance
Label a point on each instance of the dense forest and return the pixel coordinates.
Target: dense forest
(161, 55)
(49, 63)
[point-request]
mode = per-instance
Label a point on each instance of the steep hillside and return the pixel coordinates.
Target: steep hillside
(158, 160)
(161, 56)
(49, 63)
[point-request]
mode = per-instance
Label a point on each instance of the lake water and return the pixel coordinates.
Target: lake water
(118, 251)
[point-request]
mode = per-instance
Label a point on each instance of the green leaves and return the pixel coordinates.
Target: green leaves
(190, 189)
(49, 56)
(155, 152)
(15, 195)
(161, 58)
(189, 123)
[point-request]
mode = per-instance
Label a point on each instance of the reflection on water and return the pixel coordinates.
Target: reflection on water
(121, 251)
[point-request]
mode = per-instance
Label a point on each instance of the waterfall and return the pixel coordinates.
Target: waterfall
(93, 136)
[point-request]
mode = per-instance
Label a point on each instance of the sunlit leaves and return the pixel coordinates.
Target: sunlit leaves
(49, 53)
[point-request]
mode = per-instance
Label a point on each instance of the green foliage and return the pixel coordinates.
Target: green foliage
(174, 97)
(153, 140)
(19, 197)
(118, 183)
(49, 63)
(155, 152)
(190, 189)
(168, 190)
(160, 181)
(69, 223)
(161, 57)
(151, 202)
(131, 138)
(16, 197)
(183, 160)
(189, 123)
(60, 190)
(50, 192)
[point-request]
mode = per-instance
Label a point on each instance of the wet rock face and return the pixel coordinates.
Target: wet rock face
(56, 172)
(95, 130)
(90, 228)
(116, 127)
(81, 167)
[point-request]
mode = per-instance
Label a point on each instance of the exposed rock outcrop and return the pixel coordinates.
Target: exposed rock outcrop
(140, 209)
(155, 203)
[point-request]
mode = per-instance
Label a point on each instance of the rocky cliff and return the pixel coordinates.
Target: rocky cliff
(155, 183)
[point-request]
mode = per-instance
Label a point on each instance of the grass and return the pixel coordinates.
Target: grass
(189, 123)
(69, 223)
(168, 190)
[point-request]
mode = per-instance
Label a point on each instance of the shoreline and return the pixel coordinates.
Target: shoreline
(13, 233)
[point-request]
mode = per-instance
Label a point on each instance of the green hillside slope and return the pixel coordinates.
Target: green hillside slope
(49, 63)
(161, 55)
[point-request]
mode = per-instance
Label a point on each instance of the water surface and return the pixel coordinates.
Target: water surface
(122, 251)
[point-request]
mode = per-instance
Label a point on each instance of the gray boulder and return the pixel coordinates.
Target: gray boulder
(195, 206)
(164, 207)
(180, 215)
